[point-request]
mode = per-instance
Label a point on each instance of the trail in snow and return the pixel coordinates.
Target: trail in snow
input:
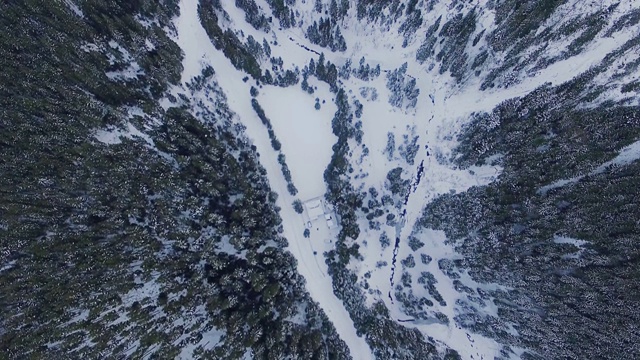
(304, 46)
(199, 52)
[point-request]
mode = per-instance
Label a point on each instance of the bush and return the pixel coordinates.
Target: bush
(384, 240)
(415, 243)
(292, 189)
(276, 144)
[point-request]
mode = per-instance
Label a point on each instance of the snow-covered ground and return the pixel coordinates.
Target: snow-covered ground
(442, 109)
(436, 124)
(577, 243)
(199, 52)
(304, 133)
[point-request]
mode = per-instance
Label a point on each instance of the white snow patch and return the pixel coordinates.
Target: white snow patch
(113, 136)
(132, 348)
(149, 45)
(81, 315)
(146, 23)
(110, 137)
(210, 338)
(305, 134)
(558, 184)
(467, 343)
(8, 266)
(149, 290)
(626, 156)
(89, 47)
(568, 240)
(76, 10)
(54, 344)
(150, 351)
(131, 72)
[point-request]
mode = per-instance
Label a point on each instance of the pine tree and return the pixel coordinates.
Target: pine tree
(333, 11)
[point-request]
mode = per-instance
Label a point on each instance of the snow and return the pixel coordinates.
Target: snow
(318, 215)
(467, 343)
(224, 246)
(563, 71)
(89, 47)
(626, 156)
(73, 7)
(109, 137)
(113, 136)
(88, 342)
(54, 344)
(558, 184)
(81, 315)
(568, 240)
(150, 351)
(210, 338)
(122, 317)
(436, 123)
(146, 23)
(149, 45)
(8, 266)
(305, 133)
(131, 72)
(195, 319)
(199, 52)
(579, 244)
(132, 348)
(298, 317)
(193, 40)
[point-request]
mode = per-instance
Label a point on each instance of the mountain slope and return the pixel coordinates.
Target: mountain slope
(474, 165)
